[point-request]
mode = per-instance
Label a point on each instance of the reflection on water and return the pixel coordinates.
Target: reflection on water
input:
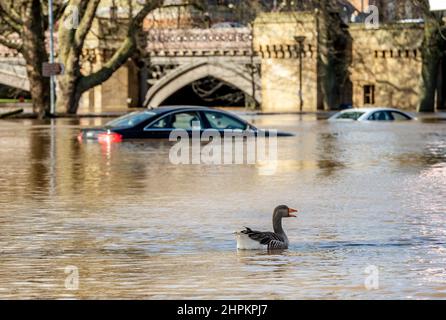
(137, 226)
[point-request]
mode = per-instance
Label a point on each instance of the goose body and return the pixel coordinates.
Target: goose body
(249, 239)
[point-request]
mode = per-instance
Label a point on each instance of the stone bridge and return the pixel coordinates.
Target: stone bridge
(179, 57)
(174, 58)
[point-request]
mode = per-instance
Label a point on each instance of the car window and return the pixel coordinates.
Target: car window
(398, 116)
(381, 116)
(352, 115)
(164, 123)
(184, 120)
(130, 120)
(222, 121)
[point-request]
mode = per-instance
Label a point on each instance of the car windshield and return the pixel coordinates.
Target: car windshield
(130, 120)
(352, 115)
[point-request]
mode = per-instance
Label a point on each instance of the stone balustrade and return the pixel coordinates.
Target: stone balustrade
(199, 42)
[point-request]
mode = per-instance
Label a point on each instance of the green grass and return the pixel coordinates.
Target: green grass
(12, 100)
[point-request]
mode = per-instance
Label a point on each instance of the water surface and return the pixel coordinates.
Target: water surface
(137, 226)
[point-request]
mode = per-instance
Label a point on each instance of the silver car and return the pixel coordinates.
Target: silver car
(372, 114)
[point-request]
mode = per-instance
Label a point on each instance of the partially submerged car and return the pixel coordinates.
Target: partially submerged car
(372, 114)
(159, 123)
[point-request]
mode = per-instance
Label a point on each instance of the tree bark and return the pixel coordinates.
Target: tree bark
(26, 21)
(432, 50)
(39, 89)
(35, 55)
(73, 83)
(431, 55)
(333, 62)
(71, 95)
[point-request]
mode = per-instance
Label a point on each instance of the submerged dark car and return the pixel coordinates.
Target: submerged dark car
(160, 122)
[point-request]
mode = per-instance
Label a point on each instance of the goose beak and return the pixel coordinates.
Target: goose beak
(290, 213)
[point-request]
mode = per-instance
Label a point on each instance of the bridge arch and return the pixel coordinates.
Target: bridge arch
(235, 75)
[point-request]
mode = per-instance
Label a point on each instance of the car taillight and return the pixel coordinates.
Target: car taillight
(109, 137)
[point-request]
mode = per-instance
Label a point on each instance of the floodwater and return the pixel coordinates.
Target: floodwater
(90, 221)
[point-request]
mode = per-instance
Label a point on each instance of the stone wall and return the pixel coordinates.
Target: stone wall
(386, 59)
(389, 59)
(274, 40)
(116, 94)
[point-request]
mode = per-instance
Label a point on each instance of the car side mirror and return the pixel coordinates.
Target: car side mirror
(250, 127)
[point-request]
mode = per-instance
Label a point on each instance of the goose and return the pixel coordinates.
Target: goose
(256, 240)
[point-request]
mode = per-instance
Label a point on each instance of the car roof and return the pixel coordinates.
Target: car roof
(167, 109)
(371, 109)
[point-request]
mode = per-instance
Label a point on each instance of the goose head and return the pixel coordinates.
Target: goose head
(284, 212)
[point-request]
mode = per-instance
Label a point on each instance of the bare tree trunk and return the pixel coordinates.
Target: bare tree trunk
(22, 28)
(68, 83)
(333, 56)
(431, 63)
(34, 52)
(441, 89)
(71, 95)
(432, 51)
(39, 89)
(429, 84)
(73, 83)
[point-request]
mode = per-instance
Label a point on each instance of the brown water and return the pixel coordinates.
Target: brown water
(137, 226)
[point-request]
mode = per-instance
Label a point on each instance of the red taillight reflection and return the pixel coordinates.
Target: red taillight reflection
(109, 137)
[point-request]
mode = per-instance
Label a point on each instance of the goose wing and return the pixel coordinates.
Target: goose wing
(271, 239)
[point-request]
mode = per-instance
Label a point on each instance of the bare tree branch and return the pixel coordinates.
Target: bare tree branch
(124, 52)
(8, 20)
(58, 11)
(85, 23)
(8, 8)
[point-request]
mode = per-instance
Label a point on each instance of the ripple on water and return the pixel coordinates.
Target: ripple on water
(136, 226)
